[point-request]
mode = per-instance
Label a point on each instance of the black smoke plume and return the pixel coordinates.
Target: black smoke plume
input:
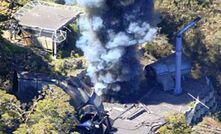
(110, 33)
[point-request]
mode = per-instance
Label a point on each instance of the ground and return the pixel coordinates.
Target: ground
(153, 107)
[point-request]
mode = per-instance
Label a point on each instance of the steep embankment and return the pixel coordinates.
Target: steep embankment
(15, 58)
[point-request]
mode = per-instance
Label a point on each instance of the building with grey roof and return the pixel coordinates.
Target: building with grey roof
(47, 21)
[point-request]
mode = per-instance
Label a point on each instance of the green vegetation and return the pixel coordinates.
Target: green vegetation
(22, 2)
(159, 47)
(51, 111)
(13, 57)
(50, 114)
(11, 49)
(202, 43)
(4, 6)
(209, 125)
(53, 114)
(10, 112)
(176, 124)
(68, 66)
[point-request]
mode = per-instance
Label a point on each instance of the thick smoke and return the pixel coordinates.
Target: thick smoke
(110, 31)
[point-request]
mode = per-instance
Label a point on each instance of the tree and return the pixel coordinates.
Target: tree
(53, 114)
(159, 47)
(22, 2)
(10, 112)
(176, 124)
(4, 7)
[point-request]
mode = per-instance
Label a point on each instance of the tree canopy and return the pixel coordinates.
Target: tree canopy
(51, 112)
(10, 112)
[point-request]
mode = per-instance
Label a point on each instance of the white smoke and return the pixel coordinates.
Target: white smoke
(100, 88)
(91, 3)
(108, 43)
(120, 39)
(97, 23)
(142, 33)
(113, 55)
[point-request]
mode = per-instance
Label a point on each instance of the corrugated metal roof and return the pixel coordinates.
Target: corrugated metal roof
(46, 16)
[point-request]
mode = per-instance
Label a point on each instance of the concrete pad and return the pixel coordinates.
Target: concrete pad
(159, 104)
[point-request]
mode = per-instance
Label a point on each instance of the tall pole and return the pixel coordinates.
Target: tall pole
(178, 88)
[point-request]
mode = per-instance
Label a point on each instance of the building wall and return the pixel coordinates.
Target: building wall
(196, 113)
(45, 42)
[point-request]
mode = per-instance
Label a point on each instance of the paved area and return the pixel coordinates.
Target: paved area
(135, 121)
(148, 113)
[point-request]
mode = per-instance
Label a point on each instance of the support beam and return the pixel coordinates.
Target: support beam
(54, 49)
(54, 40)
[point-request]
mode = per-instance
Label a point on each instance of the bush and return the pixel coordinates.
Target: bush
(10, 112)
(175, 125)
(159, 47)
(53, 114)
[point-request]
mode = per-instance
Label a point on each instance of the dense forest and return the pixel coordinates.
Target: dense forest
(50, 111)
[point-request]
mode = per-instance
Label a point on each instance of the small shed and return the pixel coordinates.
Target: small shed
(47, 22)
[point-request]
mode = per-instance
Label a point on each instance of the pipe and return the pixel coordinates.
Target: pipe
(178, 88)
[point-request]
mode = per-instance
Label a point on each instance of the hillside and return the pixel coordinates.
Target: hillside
(202, 43)
(50, 110)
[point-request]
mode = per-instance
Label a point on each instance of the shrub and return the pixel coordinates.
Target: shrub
(10, 112)
(53, 114)
(159, 47)
(176, 124)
